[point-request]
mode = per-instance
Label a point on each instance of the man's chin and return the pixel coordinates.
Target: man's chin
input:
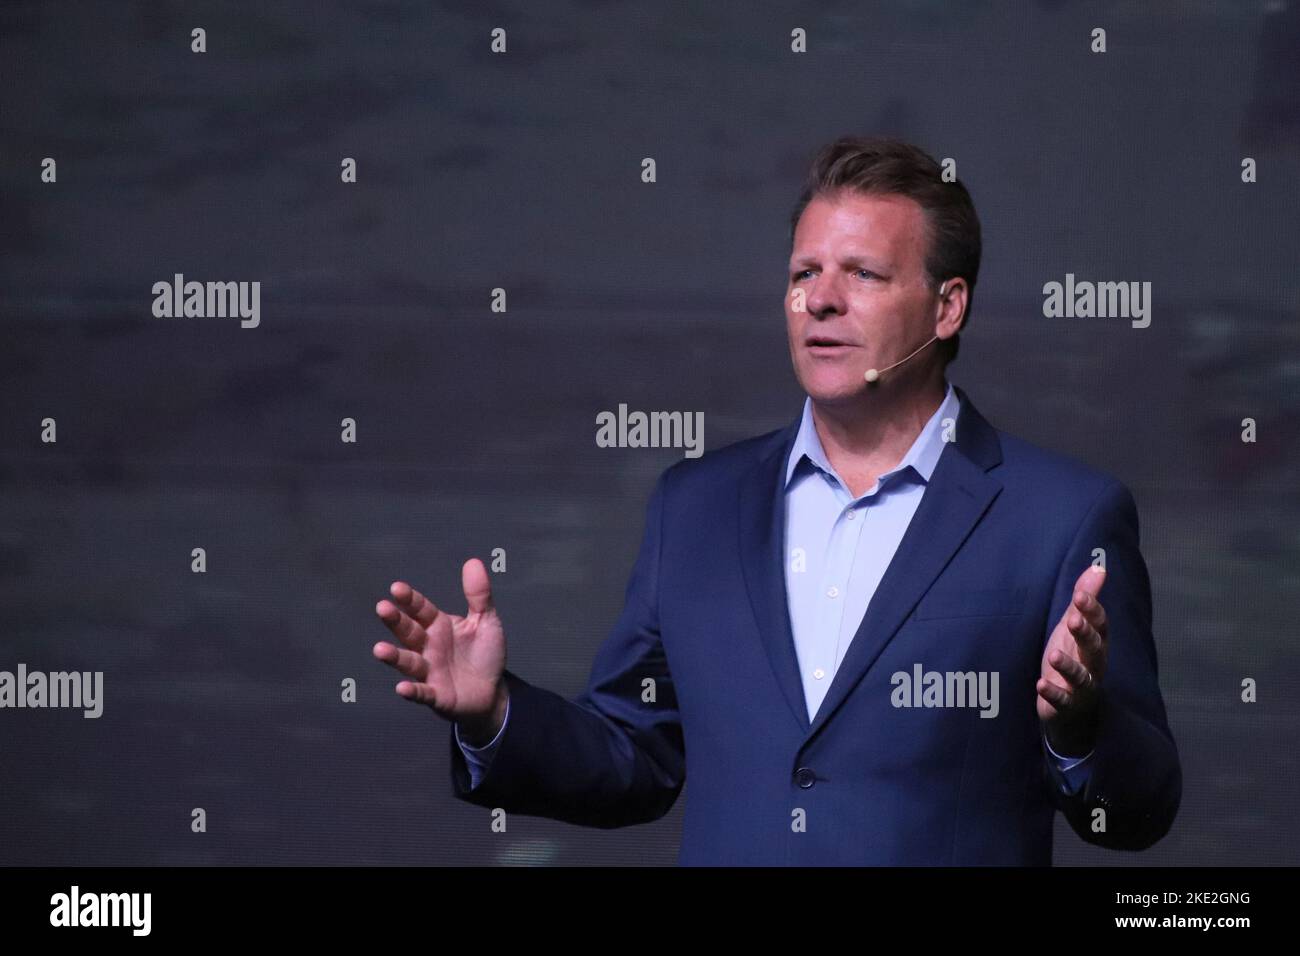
(839, 392)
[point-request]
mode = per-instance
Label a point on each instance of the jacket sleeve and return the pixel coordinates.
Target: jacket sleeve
(1135, 776)
(614, 755)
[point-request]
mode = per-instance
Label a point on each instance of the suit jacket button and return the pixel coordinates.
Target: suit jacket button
(804, 777)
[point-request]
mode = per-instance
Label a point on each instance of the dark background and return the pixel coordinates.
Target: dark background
(476, 430)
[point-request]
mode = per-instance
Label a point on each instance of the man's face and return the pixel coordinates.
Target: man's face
(860, 264)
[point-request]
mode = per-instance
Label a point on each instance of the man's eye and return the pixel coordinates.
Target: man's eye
(800, 275)
(869, 273)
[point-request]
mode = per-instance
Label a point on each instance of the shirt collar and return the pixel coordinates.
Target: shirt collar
(922, 457)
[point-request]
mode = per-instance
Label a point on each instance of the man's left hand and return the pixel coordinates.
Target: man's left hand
(1074, 663)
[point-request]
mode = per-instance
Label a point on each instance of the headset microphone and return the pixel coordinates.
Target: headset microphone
(874, 373)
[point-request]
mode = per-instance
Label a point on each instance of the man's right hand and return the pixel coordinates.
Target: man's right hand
(453, 664)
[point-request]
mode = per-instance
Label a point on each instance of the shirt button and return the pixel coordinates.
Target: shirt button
(851, 515)
(833, 592)
(819, 673)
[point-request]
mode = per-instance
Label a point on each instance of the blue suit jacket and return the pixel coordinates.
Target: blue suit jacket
(980, 579)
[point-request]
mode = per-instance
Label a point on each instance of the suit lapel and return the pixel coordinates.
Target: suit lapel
(762, 559)
(957, 496)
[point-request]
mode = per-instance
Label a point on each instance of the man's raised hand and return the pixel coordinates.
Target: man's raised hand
(453, 664)
(1073, 665)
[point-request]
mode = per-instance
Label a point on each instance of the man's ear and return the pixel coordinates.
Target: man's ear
(952, 293)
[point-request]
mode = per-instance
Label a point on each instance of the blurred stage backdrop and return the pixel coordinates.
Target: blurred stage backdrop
(475, 429)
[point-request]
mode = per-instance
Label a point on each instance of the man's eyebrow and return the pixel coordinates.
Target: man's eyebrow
(853, 260)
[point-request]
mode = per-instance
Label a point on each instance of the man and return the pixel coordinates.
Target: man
(876, 636)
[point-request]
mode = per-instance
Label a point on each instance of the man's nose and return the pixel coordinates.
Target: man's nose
(824, 296)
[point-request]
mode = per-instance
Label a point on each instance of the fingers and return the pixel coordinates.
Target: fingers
(418, 693)
(1091, 580)
(1085, 617)
(1054, 694)
(409, 615)
(478, 590)
(403, 628)
(408, 662)
(1075, 674)
(413, 603)
(1086, 621)
(1092, 609)
(1079, 682)
(1095, 614)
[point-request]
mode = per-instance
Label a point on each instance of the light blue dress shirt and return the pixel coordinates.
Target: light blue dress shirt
(837, 550)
